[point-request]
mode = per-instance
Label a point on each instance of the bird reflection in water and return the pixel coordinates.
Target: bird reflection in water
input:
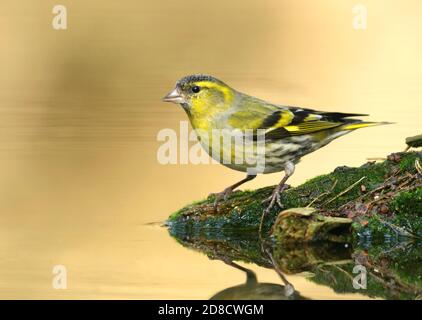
(254, 290)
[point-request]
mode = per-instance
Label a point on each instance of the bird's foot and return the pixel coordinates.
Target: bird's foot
(275, 198)
(223, 195)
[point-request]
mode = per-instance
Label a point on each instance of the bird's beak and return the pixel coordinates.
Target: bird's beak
(174, 96)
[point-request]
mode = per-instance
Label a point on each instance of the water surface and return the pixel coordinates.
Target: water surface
(80, 111)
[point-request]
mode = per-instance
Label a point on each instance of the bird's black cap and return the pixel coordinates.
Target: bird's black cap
(196, 78)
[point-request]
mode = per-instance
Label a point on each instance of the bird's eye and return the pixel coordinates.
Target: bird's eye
(196, 89)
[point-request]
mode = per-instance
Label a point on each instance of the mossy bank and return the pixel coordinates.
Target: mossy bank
(381, 199)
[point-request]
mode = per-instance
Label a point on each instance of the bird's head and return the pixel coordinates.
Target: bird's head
(201, 94)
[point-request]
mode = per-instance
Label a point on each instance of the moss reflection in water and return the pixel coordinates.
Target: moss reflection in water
(393, 270)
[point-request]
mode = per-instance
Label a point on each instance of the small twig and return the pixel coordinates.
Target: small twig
(398, 230)
(345, 191)
(401, 188)
(385, 185)
(418, 166)
(323, 194)
(409, 179)
(400, 246)
(419, 185)
(343, 271)
(337, 263)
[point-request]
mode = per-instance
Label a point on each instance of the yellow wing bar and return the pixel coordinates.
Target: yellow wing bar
(311, 126)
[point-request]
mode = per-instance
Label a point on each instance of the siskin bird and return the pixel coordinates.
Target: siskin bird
(289, 132)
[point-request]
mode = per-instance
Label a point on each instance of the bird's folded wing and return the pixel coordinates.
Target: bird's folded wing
(280, 122)
(308, 121)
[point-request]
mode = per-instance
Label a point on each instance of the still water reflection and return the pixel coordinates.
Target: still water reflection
(80, 111)
(388, 271)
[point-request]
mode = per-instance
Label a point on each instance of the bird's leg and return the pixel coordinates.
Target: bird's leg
(288, 287)
(251, 278)
(226, 192)
(289, 169)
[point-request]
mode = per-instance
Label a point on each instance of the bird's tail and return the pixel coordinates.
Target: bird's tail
(363, 124)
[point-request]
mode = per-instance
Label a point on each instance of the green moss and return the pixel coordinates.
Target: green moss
(373, 227)
(409, 202)
(222, 244)
(405, 220)
(408, 210)
(407, 162)
(376, 286)
(394, 269)
(243, 209)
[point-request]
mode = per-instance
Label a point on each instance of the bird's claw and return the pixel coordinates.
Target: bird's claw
(275, 197)
(223, 195)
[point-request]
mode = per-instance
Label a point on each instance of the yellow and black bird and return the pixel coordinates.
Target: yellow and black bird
(289, 132)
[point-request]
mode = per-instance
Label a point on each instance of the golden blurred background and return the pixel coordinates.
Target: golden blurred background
(80, 110)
